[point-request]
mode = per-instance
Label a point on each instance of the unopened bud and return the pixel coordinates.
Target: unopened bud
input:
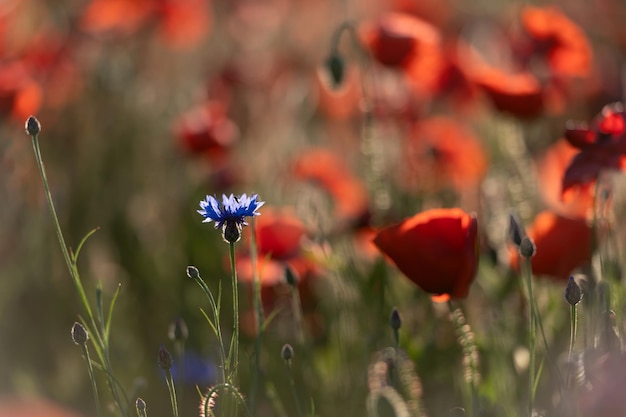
(335, 66)
(178, 331)
(192, 272)
(140, 405)
(79, 334)
(287, 352)
(291, 277)
(395, 321)
(516, 230)
(165, 359)
(527, 247)
(573, 293)
(32, 126)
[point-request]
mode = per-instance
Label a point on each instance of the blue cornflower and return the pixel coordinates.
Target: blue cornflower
(231, 215)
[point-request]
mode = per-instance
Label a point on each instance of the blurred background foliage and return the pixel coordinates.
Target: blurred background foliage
(149, 105)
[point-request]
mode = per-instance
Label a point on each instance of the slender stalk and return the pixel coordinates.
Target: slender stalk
(57, 227)
(92, 379)
(294, 391)
(572, 341)
(71, 266)
(532, 336)
(172, 390)
(234, 342)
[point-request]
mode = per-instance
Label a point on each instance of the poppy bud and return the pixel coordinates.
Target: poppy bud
(336, 68)
(192, 272)
(527, 248)
(573, 293)
(165, 359)
(516, 230)
(287, 352)
(395, 321)
(140, 405)
(178, 331)
(291, 277)
(32, 126)
(79, 334)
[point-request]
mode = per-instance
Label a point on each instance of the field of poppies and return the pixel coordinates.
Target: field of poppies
(312, 208)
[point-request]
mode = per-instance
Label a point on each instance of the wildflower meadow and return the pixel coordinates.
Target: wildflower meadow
(295, 208)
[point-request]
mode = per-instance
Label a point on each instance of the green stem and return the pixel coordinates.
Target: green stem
(92, 378)
(572, 341)
(532, 334)
(294, 392)
(71, 266)
(234, 342)
(57, 227)
(172, 390)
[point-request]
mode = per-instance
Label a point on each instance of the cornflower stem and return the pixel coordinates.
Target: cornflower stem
(172, 390)
(292, 383)
(234, 342)
(71, 266)
(258, 308)
(92, 379)
(532, 336)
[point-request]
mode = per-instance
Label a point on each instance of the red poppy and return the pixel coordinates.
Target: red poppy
(602, 146)
(408, 43)
(519, 94)
(20, 95)
(207, 129)
(562, 245)
(182, 23)
(558, 40)
(329, 170)
(550, 42)
(550, 167)
(436, 249)
(443, 153)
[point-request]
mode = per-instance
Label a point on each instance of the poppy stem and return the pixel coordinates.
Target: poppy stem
(532, 336)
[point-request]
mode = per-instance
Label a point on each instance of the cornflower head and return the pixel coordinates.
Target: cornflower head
(231, 215)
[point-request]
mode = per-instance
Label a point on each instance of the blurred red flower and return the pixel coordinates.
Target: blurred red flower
(436, 249)
(542, 62)
(206, 129)
(280, 235)
(578, 201)
(407, 43)
(561, 43)
(602, 146)
(20, 94)
(328, 170)
(562, 245)
(441, 152)
(181, 23)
